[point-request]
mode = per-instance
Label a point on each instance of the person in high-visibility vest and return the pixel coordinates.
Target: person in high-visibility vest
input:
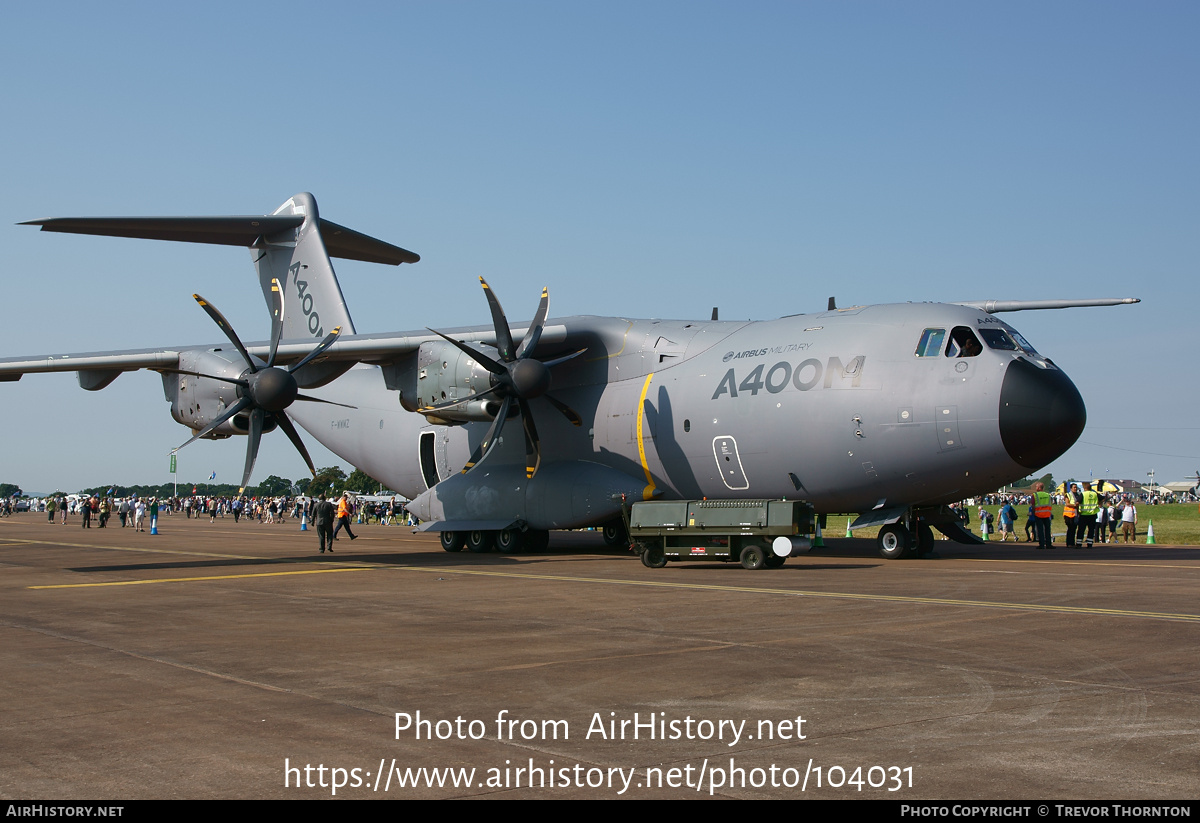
(1089, 510)
(344, 510)
(1071, 502)
(1041, 515)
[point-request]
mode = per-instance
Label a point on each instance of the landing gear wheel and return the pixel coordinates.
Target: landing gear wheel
(653, 557)
(510, 541)
(615, 535)
(479, 542)
(753, 557)
(537, 540)
(924, 540)
(774, 561)
(453, 541)
(893, 541)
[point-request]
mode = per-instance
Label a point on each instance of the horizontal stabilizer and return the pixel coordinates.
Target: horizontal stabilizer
(243, 230)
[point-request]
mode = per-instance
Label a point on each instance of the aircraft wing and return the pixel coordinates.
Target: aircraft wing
(362, 348)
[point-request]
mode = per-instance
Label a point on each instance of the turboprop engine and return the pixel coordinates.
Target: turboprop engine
(196, 400)
(440, 373)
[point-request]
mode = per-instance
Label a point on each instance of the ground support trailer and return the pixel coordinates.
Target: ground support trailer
(755, 533)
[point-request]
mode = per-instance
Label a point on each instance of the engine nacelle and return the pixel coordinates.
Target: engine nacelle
(439, 372)
(197, 401)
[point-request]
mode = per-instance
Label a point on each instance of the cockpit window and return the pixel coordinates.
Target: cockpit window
(1023, 343)
(931, 343)
(998, 339)
(963, 343)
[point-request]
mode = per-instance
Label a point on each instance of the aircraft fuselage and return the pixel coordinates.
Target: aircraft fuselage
(851, 410)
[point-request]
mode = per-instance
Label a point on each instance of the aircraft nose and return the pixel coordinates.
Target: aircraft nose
(1041, 414)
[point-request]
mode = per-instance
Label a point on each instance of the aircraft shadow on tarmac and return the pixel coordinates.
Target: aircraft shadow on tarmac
(834, 551)
(436, 557)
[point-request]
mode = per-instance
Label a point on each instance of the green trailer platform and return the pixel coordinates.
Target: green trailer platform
(755, 533)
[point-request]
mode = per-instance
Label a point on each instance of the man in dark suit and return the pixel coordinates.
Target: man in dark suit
(323, 515)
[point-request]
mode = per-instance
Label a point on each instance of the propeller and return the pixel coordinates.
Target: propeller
(264, 391)
(517, 377)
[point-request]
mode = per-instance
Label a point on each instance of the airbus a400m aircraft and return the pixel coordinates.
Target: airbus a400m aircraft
(500, 434)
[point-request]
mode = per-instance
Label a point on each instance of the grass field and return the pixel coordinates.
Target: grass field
(1176, 524)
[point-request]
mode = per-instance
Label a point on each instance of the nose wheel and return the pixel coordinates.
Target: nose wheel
(893, 541)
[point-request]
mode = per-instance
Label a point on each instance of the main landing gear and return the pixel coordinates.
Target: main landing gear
(507, 541)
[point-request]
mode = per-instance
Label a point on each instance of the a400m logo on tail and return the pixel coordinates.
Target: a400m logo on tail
(306, 302)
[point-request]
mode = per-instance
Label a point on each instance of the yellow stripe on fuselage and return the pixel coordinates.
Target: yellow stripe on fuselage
(647, 492)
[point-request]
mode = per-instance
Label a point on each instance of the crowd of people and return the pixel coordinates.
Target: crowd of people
(134, 511)
(1089, 516)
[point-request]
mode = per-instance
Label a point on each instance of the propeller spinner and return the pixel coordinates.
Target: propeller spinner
(516, 377)
(264, 389)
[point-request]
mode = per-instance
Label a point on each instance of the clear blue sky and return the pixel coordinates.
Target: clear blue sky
(641, 158)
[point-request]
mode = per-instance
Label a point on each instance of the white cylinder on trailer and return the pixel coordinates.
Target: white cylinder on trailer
(785, 546)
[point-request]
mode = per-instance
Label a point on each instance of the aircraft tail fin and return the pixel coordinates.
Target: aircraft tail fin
(293, 245)
(298, 258)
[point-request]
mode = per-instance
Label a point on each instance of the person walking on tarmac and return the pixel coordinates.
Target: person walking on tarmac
(1041, 515)
(343, 517)
(323, 516)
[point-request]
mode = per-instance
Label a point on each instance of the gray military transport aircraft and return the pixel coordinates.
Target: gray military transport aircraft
(890, 411)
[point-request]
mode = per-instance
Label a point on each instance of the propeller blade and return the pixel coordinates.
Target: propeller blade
(504, 340)
(489, 440)
(257, 418)
(535, 328)
(239, 406)
(483, 360)
(220, 320)
(329, 340)
(276, 319)
(564, 359)
(533, 447)
(319, 400)
(566, 410)
(290, 430)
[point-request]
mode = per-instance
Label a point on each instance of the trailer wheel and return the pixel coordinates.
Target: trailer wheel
(654, 557)
(893, 541)
(774, 561)
(753, 557)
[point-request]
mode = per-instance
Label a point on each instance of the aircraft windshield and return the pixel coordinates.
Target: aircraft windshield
(931, 343)
(998, 339)
(1024, 344)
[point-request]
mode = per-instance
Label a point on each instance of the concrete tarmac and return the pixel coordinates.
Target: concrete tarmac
(216, 660)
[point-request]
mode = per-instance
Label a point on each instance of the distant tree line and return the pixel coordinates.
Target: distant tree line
(329, 480)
